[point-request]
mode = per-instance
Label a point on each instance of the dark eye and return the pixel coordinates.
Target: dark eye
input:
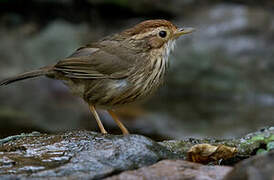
(162, 34)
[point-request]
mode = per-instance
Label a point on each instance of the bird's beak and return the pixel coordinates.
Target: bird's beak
(182, 31)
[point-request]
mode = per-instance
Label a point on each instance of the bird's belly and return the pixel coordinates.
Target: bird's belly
(75, 87)
(108, 93)
(131, 92)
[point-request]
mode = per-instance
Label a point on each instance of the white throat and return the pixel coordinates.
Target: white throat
(169, 47)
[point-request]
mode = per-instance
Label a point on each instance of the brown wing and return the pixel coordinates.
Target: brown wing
(93, 63)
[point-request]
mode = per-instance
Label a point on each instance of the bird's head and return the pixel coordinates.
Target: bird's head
(156, 34)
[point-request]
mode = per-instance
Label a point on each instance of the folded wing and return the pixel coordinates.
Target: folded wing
(93, 63)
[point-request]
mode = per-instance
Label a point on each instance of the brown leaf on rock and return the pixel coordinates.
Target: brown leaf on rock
(205, 153)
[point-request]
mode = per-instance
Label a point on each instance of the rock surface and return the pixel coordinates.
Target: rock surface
(260, 167)
(77, 154)
(90, 155)
(251, 144)
(175, 170)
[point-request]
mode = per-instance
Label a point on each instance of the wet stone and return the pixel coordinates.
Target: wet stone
(175, 170)
(77, 154)
(260, 167)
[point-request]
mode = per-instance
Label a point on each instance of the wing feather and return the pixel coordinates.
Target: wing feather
(93, 63)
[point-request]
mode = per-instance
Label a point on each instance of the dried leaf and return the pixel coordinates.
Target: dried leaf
(205, 153)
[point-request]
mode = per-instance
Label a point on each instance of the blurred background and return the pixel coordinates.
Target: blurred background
(220, 81)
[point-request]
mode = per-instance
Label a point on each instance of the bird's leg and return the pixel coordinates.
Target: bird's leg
(95, 114)
(118, 122)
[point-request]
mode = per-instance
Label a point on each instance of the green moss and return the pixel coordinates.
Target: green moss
(257, 138)
(270, 146)
(271, 138)
(261, 151)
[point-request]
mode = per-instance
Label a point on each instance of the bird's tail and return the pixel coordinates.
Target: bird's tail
(31, 74)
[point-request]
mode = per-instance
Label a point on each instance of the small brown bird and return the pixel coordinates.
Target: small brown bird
(118, 69)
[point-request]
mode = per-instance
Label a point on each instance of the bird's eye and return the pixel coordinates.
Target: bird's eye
(162, 34)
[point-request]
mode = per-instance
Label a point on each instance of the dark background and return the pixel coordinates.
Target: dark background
(220, 82)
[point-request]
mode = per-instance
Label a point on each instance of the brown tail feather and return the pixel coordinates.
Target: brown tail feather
(27, 75)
